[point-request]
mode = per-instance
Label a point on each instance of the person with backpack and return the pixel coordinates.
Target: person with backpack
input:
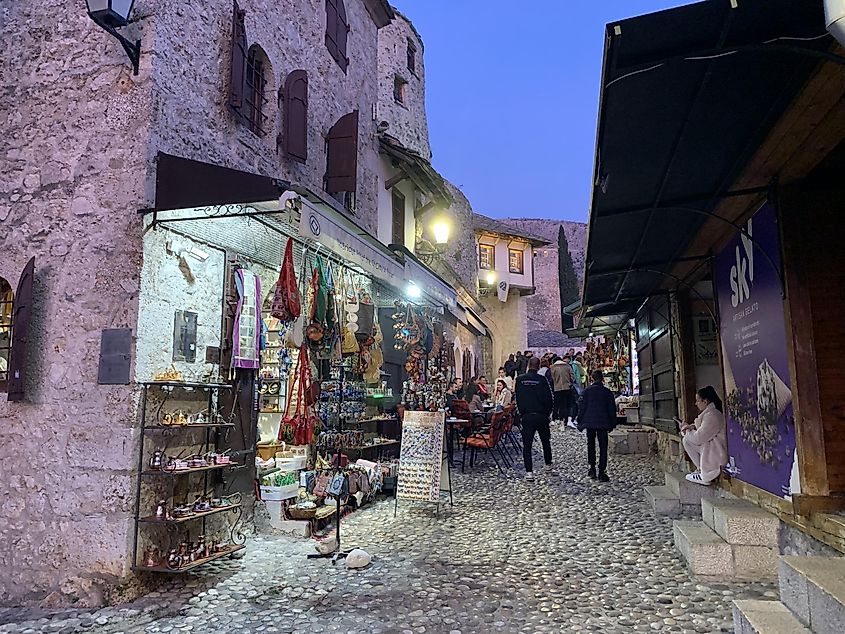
(597, 415)
(563, 380)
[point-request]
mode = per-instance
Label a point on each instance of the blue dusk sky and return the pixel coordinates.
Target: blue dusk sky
(513, 97)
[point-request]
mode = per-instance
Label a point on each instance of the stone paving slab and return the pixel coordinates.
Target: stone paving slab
(564, 554)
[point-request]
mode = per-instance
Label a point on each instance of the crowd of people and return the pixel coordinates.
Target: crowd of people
(553, 390)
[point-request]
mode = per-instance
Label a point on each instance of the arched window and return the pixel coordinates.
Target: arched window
(6, 297)
(255, 95)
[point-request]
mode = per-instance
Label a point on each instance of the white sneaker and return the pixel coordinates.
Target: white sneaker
(529, 475)
(572, 424)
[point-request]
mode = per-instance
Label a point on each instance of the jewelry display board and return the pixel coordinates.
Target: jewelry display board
(421, 456)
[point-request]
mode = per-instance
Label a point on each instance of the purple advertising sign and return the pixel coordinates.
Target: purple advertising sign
(758, 397)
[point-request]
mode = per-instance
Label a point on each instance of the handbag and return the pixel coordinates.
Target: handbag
(339, 486)
(321, 484)
(287, 301)
(348, 343)
(301, 416)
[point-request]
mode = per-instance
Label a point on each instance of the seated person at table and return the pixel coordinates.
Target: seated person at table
(503, 395)
(483, 388)
(452, 393)
(476, 408)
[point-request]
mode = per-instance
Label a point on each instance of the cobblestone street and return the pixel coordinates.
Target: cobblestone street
(564, 554)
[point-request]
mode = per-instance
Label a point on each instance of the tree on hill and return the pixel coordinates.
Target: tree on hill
(569, 291)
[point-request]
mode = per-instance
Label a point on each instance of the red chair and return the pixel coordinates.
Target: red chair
(489, 440)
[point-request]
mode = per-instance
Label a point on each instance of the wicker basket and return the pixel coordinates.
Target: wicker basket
(302, 514)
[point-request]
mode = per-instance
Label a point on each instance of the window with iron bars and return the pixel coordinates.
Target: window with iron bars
(255, 95)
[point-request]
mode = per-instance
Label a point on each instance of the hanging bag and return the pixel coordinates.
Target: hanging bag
(287, 301)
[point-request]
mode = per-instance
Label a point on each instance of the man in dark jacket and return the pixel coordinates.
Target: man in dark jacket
(597, 414)
(511, 366)
(534, 401)
(521, 363)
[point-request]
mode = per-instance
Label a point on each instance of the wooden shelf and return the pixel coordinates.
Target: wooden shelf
(152, 519)
(193, 426)
(188, 384)
(172, 472)
(196, 564)
(392, 443)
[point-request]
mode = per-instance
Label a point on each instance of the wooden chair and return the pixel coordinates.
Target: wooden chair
(489, 440)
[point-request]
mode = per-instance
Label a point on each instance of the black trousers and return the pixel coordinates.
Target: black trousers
(538, 423)
(601, 435)
(563, 404)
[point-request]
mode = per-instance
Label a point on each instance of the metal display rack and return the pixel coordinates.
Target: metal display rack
(144, 473)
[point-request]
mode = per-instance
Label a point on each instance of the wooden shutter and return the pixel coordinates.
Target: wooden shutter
(296, 116)
(342, 155)
(342, 35)
(337, 30)
(20, 334)
(398, 217)
(237, 78)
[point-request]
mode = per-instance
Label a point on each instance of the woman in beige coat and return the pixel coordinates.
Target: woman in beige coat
(705, 441)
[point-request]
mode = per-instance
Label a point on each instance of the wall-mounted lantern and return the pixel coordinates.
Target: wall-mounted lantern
(111, 15)
(427, 251)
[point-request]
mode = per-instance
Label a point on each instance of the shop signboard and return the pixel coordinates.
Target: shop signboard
(421, 456)
(319, 225)
(758, 397)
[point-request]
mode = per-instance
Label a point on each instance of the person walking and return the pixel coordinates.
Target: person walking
(597, 414)
(534, 403)
(510, 366)
(578, 387)
(705, 441)
(521, 363)
(562, 379)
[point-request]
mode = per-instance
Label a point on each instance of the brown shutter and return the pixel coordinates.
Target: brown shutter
(398, 217)
(342, 34)
(20, 333)
(342, 155)
(237, 78)
(296, 116)
(331, 27)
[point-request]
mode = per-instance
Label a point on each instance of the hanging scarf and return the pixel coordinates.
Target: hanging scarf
(247, 329)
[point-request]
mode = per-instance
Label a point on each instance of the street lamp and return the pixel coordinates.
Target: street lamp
(491, 278)
(111, 15)
(440, 230)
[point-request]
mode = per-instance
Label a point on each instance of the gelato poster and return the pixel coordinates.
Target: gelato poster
(758, 398)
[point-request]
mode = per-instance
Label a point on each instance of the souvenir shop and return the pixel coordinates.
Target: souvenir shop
(297, 342)
(611, 355)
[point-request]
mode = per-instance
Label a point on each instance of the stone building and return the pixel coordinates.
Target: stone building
(506, 280)
(94, 145)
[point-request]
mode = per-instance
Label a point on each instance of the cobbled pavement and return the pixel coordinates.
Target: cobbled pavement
(562, 554)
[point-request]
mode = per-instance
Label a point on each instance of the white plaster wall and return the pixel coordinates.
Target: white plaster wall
(385, 205)
(166, 288)
(502, 270)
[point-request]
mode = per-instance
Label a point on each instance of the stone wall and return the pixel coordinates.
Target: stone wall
(408, 122)
(79, 150)
(193, 119)
(74, 176)
(507, 322)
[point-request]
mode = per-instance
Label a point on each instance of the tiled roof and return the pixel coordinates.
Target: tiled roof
(489, 225)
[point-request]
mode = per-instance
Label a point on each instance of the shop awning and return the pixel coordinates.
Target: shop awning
(183, 183)
(688, 94)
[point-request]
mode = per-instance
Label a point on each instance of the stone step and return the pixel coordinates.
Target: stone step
(814, 589)
(709, 556)
(688, 492)
(740, 522)
(706, 554)
(630, 441)
(665, 503)
(765, 617)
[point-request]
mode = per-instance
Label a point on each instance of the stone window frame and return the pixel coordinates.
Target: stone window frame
(412, 57)
(400, 90)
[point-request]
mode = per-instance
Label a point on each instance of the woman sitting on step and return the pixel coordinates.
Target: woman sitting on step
(705, 441)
